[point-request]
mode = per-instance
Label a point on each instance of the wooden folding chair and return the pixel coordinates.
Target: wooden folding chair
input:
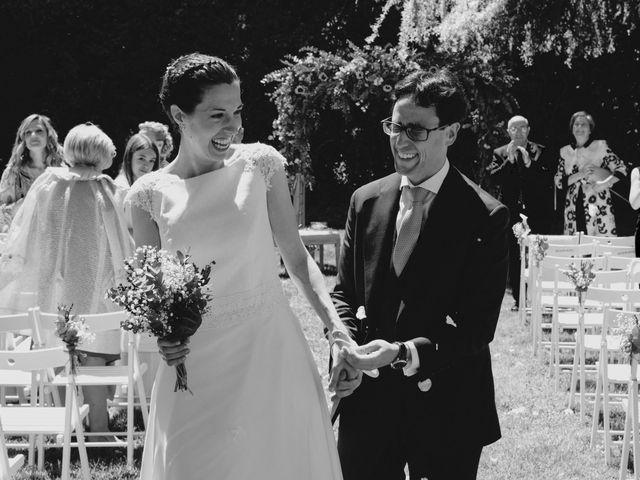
(9, 466)
(129, 375)
(39, 420)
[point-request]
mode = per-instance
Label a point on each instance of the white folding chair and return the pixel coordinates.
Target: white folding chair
(617, 250)
(9, 324)
(611, 371)
(631, 423)
(50, 421)
(129, 375)
(9, 466)
(627, 241)
(526, 270)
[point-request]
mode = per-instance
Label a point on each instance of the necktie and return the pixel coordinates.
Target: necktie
(410, 226)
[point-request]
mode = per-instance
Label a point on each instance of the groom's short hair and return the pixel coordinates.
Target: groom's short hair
(438, 88)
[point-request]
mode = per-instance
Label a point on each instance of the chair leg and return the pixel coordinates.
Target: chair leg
(596, 409)
(624, 459)
(574, 379)
(606, 419)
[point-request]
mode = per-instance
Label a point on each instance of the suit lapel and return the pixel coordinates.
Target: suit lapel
(378, 237)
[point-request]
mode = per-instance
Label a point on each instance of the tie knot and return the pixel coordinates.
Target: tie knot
(418, 194)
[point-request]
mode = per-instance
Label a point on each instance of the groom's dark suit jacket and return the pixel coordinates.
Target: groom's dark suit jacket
(456, 274)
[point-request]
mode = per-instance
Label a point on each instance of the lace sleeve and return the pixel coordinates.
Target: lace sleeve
(267, 160)
(141, 194)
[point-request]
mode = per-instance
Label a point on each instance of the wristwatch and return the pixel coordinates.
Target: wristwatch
(401, 359)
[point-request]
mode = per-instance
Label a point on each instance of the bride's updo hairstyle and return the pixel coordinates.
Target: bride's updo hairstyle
(187, 78)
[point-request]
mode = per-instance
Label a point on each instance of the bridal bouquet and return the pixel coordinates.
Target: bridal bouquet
(629, 330)
(73, 331)
(165, 295)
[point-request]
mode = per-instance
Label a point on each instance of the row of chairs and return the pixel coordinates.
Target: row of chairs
(554, 307)
(31, 365)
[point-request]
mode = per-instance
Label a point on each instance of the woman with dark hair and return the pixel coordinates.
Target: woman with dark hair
(159, 134)
(586, 171)
(36, 147)
(258, 409)
(141, 156)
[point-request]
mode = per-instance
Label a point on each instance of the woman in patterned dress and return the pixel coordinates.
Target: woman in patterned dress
(586, 171)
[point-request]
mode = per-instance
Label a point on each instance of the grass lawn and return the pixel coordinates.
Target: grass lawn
(540, 440)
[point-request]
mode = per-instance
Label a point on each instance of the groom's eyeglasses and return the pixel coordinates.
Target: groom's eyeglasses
(417, 134)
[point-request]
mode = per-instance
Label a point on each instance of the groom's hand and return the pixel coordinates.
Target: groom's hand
(375, 354)
(344, 377)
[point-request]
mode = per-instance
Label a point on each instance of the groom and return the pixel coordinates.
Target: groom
(420, 282)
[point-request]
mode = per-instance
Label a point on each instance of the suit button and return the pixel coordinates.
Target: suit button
(425, 385)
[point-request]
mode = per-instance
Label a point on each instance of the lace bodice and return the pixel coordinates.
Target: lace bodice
(220, 215)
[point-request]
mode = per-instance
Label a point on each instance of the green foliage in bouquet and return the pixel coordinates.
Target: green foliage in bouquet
(164, 295)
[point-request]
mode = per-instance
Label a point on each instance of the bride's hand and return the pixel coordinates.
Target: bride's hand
(173, 352)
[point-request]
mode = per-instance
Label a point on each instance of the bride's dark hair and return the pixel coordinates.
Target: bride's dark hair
(188, 76)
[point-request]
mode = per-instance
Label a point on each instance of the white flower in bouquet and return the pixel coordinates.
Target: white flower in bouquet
(164, 295)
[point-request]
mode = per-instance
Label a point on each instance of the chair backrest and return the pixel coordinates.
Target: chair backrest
(617, 250)
(33, 360)
(611, 279)
(628, 241)
(615, 262)
(550, 263)
(96, 322)
(15, 322)
(570, 250)
(624, 297)
(563, 239)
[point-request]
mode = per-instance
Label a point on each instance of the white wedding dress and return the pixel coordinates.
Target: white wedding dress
(258, 409)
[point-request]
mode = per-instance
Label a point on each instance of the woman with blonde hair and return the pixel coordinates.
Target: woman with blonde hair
(36, 147)
(67, 244)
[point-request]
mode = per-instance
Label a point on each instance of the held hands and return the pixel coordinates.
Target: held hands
(373, 355)
(173, 352)
(344, 377)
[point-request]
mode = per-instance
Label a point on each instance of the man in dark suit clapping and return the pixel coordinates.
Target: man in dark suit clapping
(521, 173)
(420, 282)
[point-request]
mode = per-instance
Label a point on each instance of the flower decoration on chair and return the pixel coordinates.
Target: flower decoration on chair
(164, 295)
(73, 331)
(629, 331)
(581, 276)
(538, 248)
(521, 229)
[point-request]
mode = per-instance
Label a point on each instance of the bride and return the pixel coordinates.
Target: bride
(258, 409)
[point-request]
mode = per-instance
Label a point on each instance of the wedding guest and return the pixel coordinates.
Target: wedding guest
(36, 147)
(159, 134)
(586, 172)
(68, 243)
(525, 181)
(420, 284)
(258, 409)
(634, 200)
(141, 156)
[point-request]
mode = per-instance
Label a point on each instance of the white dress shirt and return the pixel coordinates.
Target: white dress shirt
(432, 184)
